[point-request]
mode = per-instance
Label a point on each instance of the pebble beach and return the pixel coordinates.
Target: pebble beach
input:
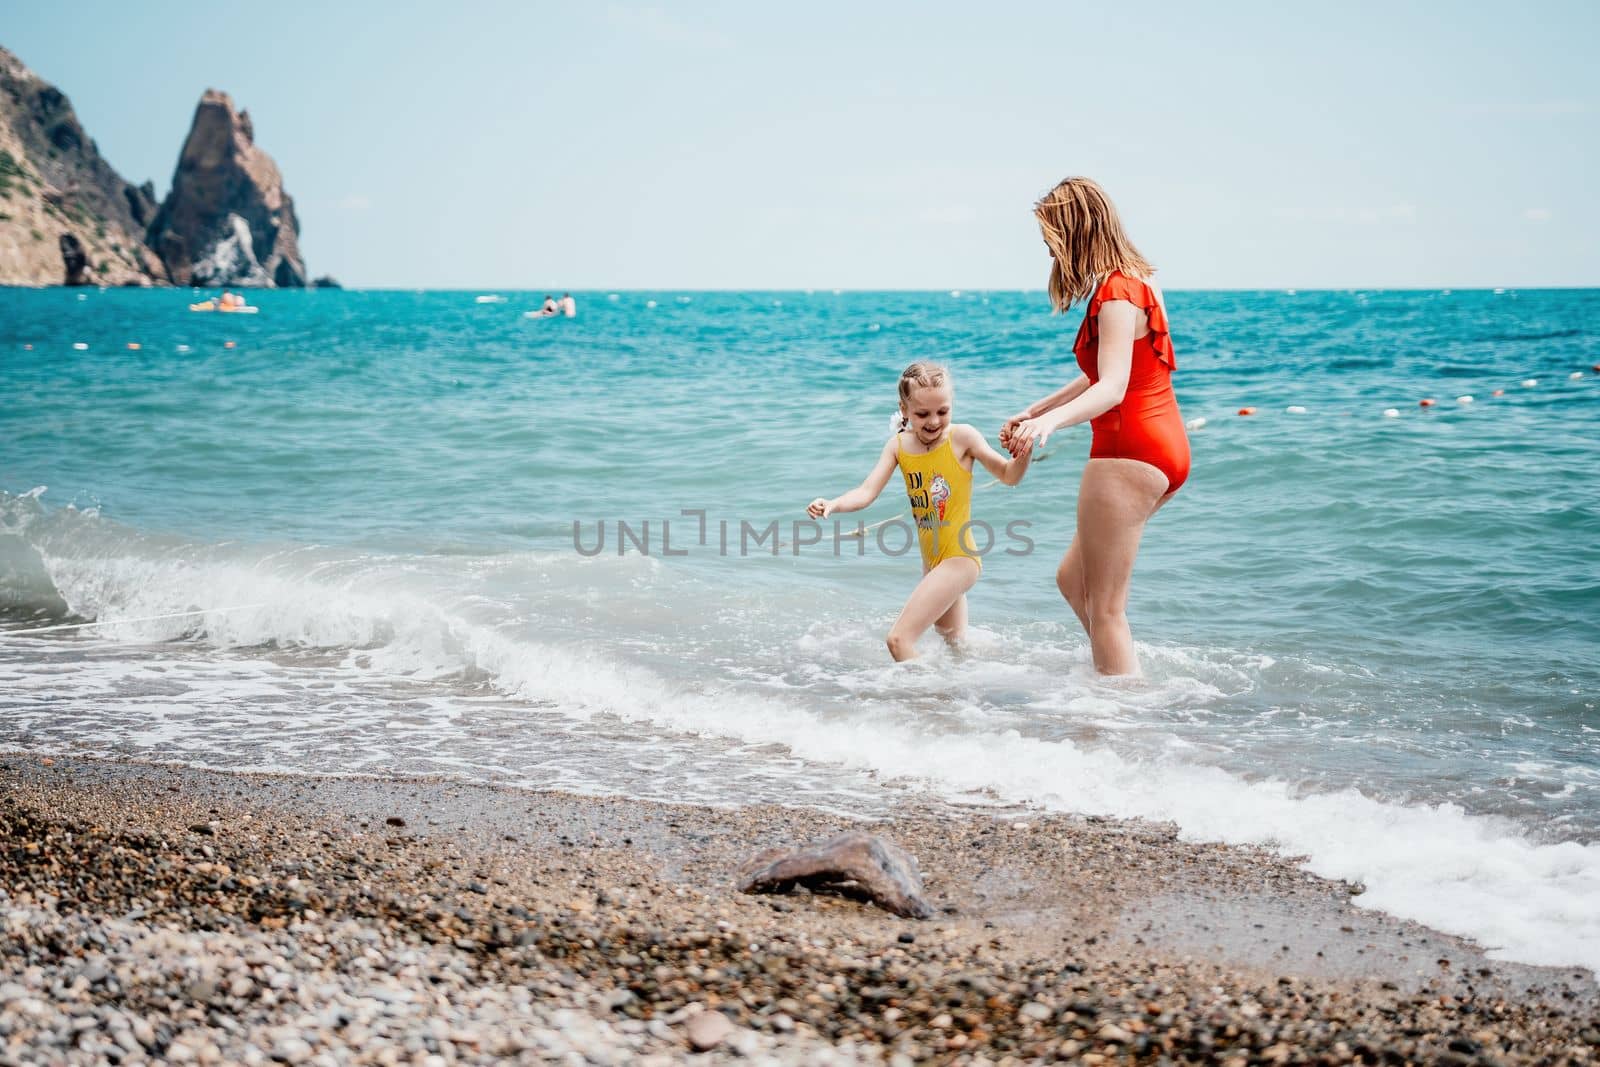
(160, 914)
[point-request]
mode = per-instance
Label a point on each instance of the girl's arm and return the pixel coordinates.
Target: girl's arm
(865, 493)
(1007, 471)
(1118, 320)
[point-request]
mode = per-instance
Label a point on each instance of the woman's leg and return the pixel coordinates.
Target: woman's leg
(1069, 579)
(1116, 498)
(931, 600)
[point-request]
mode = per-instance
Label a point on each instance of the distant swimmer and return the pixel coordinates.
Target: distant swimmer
(569, 306)
(550, 306)
(935, 457)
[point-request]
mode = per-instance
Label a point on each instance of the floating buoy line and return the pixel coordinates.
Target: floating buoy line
(1465, 400)
(132, 346)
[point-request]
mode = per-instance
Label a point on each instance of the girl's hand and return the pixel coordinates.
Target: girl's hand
(1008, 432)
(819, 508)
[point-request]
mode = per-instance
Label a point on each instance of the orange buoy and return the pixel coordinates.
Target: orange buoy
(227, 344)
(1498, 392)
(1247, 411)
(133, 346)
(1427, 402)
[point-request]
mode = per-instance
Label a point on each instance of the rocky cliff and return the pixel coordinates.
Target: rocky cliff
(66, 217)
(227, 220)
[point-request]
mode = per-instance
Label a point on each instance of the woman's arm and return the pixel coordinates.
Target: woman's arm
(971, 443)
(865, 493)
(1061, 396)
(1067, 392)
(1118, 320)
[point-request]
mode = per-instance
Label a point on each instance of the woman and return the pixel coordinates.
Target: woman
(1140, 453)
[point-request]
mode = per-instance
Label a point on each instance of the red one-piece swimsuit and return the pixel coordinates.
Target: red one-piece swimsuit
(1147, 425)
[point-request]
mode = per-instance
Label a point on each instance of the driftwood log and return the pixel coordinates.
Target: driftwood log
(857, 864)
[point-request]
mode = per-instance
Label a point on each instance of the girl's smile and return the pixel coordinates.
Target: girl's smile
(927, 412)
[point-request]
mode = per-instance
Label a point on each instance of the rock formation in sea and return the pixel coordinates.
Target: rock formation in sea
(66, 216)
(227, 220)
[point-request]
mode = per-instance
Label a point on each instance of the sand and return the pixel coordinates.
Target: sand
(433, 922)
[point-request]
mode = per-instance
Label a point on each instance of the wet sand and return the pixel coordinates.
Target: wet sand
(156, 913)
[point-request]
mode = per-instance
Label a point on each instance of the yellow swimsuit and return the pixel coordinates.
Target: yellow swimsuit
(940, 491)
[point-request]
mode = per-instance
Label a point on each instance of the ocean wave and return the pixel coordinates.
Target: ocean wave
(937, 725)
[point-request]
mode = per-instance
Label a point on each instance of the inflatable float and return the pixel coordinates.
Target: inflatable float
(212, 305)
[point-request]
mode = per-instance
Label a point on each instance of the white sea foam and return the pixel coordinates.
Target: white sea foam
(412, 617)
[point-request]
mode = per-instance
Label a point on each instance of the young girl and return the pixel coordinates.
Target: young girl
(935, 457)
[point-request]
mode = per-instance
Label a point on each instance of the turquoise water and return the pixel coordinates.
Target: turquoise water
(1368, 639)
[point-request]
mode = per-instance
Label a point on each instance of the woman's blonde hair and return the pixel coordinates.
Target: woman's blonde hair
(919, 375)
(1086, 240)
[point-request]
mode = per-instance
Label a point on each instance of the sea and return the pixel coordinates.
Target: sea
(407, 534)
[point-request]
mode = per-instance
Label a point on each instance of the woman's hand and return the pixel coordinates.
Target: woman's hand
(1009, 430)
(820, 508)
(1032, 433)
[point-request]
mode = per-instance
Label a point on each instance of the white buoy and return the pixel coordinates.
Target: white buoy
(874, 328)
(1529, 383)
(956, 293)
(1463, 400)
(183, 348)
(1391, 413)
(1195, 424)
(613, 296)
(83, 296)
(649, 303)
(79, 346)
(1295, 409)
(1575, 375)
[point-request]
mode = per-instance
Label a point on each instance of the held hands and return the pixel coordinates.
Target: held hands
(820, 508)
(1030, 433)
(1008, 432)
(1013, 440)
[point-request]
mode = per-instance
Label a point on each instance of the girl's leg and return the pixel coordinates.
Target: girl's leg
(933, 597)
(1116, 498)
(1069, 579)
(953, 623)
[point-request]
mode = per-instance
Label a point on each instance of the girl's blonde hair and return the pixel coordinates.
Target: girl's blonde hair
(919, 375)
(1086, 240)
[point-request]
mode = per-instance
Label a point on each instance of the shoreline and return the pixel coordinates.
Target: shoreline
(493, 923)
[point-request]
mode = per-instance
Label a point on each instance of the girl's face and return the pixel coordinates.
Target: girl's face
(927, 412)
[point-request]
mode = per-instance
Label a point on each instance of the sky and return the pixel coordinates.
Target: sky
(1268, 144)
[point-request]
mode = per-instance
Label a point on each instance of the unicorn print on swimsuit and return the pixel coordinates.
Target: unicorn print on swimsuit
(940, 491)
